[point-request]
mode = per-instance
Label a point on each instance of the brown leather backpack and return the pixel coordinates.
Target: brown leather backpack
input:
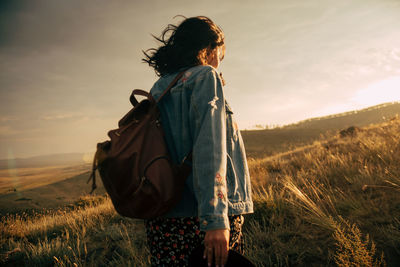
(134, 164)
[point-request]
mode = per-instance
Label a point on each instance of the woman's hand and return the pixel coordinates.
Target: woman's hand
(216, 243)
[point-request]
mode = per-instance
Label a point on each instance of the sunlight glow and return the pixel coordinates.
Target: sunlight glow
(88, 157)
(384, 91)
(387, 90)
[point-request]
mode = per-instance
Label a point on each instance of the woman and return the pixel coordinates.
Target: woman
(196, 118)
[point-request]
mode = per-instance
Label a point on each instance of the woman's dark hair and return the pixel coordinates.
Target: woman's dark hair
(185, 45)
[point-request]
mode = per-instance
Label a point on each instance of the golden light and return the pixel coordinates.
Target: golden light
(387, 90)
(88, 157)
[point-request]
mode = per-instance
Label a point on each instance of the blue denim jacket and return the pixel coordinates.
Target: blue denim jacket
(196, 117)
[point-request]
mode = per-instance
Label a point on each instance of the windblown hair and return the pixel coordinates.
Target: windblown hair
(185, 45)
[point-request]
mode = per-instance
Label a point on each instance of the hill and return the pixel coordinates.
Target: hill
(260, 143)
(22, 179)
(48, 192)
(333, 203)
(363, 117)
(346, 190)
(44, 161)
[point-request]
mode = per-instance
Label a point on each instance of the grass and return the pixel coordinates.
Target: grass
(53, 194)
(90, 234)
(269, 141)
(333, 203)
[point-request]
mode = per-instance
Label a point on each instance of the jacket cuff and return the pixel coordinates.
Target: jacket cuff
(214, 222)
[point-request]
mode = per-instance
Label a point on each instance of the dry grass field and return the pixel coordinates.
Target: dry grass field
(21, 179)
(335, 202)
(267, 142)
(34, 189)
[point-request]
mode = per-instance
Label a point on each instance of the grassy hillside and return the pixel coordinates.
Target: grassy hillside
(48, 190)
(91, 234)
(363, 117)
(270, 141)
(333, 203)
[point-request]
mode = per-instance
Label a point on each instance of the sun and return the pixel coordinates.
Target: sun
(383, 91)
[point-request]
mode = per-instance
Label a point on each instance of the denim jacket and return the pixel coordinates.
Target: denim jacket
(196, 117)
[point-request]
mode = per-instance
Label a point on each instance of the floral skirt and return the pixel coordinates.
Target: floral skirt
(171, 240)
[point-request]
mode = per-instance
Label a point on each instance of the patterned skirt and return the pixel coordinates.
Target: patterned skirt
(171, 240)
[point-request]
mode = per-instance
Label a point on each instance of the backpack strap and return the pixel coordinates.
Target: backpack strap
(94, 168)
(172, 84)
(184, 167)
(134, 101)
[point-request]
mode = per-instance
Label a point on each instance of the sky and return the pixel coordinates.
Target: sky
(67, 68)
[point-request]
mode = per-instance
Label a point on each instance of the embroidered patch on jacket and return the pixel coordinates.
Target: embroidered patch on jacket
(220, 195)
(219, 179)
(186, 76)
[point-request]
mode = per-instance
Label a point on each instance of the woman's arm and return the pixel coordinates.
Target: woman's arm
(209, 165)
(209, 151)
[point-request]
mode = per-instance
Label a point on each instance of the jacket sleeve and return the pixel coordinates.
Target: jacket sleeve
(209, 151)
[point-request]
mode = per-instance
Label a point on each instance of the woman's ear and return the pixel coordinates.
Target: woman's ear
(209, 53)
(213, 57)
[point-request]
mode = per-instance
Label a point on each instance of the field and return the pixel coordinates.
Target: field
(21, 179)
(333, 202)
(25, 189)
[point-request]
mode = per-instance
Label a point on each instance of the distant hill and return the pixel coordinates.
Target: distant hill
(45, 160)
(50, 195)
(266, 142)
(363, 117)
(259, 143)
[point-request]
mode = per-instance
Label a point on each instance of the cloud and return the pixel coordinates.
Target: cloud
(41, 25)
(7, 131)
(4, 119)
(68, 66)
(62, 116)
